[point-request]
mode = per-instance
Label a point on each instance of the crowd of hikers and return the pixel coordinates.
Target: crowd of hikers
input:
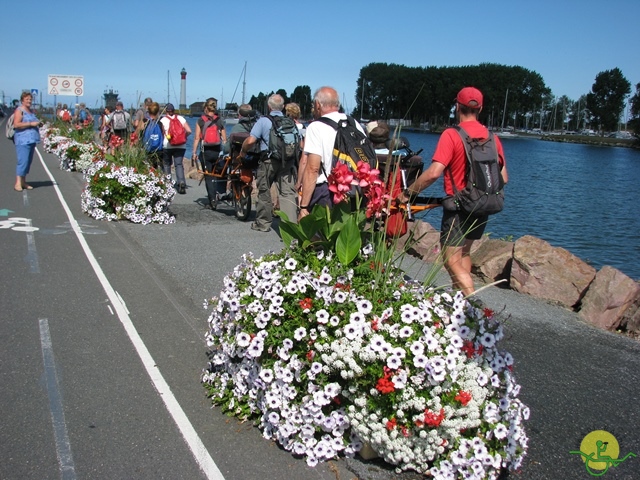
(295, 164)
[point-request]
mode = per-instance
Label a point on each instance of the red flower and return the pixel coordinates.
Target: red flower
(366, 175)
(385, 385)
(306, 304)
(375, 325)
(310, 355)
(391, 424)
(133, 138)
(378, 199)
(340, 181)
(488, 312)
(463, 397)
(405, 431)
(115, 141)
(469, 349)
(432, 419)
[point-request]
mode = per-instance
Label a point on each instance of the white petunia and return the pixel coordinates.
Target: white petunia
(243, 339)
(300, 333)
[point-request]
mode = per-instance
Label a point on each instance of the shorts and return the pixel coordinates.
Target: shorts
(458, 226)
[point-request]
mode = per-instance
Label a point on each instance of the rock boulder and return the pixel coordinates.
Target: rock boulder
(547, 272)
(491, 261)
(610, 296)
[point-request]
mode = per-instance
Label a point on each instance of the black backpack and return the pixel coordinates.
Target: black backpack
(484, 192)
(284, 140)
(350, 147)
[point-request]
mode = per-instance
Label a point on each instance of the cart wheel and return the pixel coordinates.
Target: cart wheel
(242, 201)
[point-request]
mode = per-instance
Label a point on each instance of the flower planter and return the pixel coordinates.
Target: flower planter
(332, 351)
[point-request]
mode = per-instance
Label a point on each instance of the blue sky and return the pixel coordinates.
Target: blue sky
(130, 46)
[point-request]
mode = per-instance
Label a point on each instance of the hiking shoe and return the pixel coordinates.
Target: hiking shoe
(258, 228)
(182, 188)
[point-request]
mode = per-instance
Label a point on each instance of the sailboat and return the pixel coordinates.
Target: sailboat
(233, 119)
(505, 133)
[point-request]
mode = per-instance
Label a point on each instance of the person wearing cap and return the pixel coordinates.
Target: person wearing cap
(174, 154)
(458, 229)
(123, 133)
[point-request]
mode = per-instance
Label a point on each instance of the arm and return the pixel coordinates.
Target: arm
(186, 127)
(246, 145)
(196, 141)
(223, 136)
(428, 177)
(310, 175)
(505, 175)
(301, 169)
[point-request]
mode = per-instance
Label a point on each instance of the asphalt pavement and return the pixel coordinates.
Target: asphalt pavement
(102, 346)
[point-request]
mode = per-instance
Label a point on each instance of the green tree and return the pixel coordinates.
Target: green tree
(606, 99)
(302, 96)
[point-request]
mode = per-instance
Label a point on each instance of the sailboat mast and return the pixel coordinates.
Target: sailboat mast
(504, 111)
(244, 81)
(168, 99)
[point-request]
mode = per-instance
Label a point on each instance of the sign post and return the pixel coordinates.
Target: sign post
(66, 85)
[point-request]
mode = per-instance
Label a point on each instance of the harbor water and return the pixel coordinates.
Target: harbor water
(579, 197)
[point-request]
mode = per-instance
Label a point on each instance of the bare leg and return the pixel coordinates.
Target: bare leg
(458, 264)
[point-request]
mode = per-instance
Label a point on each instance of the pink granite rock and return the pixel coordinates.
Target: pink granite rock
(549, 273)
(608, 298)
(491, 261)
(425, 242)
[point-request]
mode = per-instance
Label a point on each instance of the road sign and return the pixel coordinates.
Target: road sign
(34, 92)
(72, 85)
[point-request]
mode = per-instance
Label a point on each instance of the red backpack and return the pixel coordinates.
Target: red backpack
(177, 135)
(210, 131)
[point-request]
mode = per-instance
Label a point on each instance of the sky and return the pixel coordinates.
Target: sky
(139, 47)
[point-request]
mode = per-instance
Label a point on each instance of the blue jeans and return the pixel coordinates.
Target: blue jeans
(174, 156)
(25, 157)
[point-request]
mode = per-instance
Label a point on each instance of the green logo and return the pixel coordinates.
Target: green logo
(599, 451)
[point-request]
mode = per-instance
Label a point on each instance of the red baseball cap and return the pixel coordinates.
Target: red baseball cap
(468, 95)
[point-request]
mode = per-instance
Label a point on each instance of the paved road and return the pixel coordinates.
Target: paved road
(101, 349)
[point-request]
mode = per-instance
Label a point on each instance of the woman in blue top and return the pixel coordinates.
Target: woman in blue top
(25, 124)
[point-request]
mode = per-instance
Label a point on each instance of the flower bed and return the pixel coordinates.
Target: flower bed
(327, 346)
(75, 156)
(119, 186)
(115, 192)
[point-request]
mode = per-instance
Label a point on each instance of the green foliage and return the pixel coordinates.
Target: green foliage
(131, 155)
(79, 133)
(635, 111)
(606, 100)
(390, 91)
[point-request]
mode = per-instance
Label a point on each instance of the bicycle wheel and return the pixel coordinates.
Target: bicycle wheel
(242, 201)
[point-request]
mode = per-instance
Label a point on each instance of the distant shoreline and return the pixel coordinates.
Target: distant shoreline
(550, 137)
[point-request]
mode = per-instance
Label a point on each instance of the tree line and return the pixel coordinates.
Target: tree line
(514, 97)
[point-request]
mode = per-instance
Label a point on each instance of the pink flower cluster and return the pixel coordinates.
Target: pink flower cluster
(342, 179)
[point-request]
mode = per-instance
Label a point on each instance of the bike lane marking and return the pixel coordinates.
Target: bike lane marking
(32, 253)
(198, 449)
(63, 445)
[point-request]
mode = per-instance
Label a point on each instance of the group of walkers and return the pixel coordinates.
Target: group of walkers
(308, 174)
(299, 167)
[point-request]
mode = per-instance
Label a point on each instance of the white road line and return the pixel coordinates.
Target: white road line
(199, 451)
(63, 446)
(32, 254)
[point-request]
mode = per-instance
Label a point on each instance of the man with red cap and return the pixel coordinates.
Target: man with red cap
(458, 229)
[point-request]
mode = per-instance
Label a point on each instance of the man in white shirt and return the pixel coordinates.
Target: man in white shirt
(318, 146)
